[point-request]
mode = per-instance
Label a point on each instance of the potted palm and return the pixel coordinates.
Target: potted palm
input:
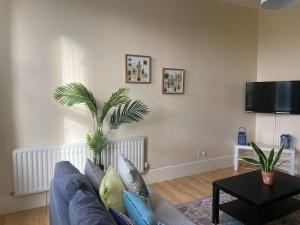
(124, 110)
(267, 163)
(178, 79)
(139, 71)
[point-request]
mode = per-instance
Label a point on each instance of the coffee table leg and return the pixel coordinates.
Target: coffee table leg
(259, 214)
(215, 205)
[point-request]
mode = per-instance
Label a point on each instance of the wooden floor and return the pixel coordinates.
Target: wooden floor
(193, 187)
(175, 191)
(33, 217)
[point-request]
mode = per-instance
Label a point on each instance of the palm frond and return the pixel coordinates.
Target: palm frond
(116, 99)
(97, 143)
(76, 93)
(130, 112)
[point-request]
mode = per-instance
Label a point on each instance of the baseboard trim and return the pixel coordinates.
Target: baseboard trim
(12, 204)
(187, 169)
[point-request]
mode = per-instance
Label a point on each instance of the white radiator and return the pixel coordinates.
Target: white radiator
(34, 167)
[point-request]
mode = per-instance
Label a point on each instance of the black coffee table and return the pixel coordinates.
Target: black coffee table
(256, 203)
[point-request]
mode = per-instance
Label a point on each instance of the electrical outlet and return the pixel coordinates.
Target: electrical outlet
(201, 153)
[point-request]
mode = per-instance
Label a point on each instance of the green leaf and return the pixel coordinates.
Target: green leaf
(258, 151)
(251, 161)
(116, 99)
(130, 112)
(97, 143)
(278, 155)
(76, 93)
(262, 157)
(282, 163)
(270, 160)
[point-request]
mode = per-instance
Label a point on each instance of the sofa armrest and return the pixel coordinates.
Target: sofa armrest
(165, 212)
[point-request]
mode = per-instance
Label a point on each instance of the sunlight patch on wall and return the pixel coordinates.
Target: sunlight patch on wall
(72, 62)
(73, 70)
(74, 131)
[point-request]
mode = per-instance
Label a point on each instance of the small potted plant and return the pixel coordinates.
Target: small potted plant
(267, 163)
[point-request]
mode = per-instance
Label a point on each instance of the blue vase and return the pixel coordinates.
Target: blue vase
(287, 139)
(242, 136)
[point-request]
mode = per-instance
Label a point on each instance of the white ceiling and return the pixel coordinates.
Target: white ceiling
(246, 3)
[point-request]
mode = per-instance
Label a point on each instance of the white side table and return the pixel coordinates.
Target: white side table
(290, 156)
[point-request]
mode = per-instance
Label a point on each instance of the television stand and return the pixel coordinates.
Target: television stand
(287, 154)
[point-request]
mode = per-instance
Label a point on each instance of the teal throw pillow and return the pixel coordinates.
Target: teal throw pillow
(138, 210)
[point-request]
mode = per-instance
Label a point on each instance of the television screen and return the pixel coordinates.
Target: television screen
(273, 97)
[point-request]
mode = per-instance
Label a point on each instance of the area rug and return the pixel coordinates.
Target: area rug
(200, 212)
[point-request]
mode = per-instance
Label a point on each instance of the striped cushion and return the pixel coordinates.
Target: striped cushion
(120, 218)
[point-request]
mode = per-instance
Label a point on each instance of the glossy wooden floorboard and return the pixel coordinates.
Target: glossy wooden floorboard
(175, 191)
(38, 216)
(193, 187)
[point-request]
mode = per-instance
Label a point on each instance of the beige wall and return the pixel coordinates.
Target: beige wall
(278, 59)
(53, 42)
(7, 134)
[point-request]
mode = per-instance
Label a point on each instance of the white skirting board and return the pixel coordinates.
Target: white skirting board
(187, 169)
(12, 204)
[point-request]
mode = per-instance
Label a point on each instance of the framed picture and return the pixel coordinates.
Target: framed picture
(173, 81)
(138, 69)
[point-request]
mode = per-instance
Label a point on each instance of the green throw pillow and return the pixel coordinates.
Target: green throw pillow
(111, 191)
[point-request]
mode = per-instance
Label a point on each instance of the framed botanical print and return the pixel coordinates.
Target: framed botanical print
(173, 81)
(138, 69)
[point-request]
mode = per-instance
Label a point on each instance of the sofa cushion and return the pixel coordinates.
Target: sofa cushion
(67, 180)
(68, 185)
(58, 208)
(111, 191)
(64, 168)
(120, 218)
(85, 209)
(94, 173)
(138, 210)
(132, 179)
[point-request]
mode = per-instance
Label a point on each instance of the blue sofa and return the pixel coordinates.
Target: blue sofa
(73, 201)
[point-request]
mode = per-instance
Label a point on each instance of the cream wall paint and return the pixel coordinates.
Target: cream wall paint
(7, 135)
(278, 59)
(53, 42)
(246, 3)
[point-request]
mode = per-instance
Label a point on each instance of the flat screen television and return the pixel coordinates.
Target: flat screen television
(273, 97)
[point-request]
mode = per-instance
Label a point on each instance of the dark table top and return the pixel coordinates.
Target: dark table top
(250, 188)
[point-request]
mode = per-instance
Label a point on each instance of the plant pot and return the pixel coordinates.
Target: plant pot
(268, 178)
(97, 161)
(101, 167)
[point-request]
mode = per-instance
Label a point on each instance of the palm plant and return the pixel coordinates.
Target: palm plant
(172, 81)
(124, 110)
(139, 70)
(267, 163)
(178, 78)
